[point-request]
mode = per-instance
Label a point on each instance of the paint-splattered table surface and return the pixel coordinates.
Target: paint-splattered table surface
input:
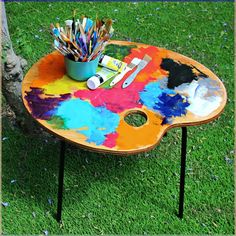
(171, 91)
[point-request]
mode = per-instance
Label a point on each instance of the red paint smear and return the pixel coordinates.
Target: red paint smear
(117, 99)
(153, 66)
(140, 52)
(111, 140)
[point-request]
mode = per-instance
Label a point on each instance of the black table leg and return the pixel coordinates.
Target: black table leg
(60, 180)
(182, 175)
(182, 172)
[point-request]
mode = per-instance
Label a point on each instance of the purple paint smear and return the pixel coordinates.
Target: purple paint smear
(41, 108)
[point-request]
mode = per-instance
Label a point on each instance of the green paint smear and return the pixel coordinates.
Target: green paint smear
(107, 83)
(118, 52)
(57, 122)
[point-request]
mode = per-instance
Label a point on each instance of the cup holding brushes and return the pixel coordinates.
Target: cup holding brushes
(82, 40)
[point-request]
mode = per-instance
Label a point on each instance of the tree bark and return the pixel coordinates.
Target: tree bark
(12, 67)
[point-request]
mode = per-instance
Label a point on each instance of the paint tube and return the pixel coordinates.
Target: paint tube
(112, 63)
(100, 77)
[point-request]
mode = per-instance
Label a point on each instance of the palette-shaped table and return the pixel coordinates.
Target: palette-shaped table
(171, 91)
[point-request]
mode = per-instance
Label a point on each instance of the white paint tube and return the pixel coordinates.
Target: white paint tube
(100, 77)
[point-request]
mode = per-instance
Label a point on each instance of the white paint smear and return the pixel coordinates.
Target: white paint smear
(200, 103)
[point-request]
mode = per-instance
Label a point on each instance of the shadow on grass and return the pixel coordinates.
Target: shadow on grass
(34, 163)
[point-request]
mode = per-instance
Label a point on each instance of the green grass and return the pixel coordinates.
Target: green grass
(107, 194)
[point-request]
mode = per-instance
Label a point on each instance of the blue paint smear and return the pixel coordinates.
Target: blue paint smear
(98, 121)
(170, 106)
(149, 96)
(166, 101)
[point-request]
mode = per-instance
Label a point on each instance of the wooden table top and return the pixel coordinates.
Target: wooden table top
(171, 91)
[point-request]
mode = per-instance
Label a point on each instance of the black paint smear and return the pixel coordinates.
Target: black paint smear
(42, 108)
(179, 73)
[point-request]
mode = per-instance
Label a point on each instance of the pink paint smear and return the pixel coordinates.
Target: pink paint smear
(110, 140)
(114, 99)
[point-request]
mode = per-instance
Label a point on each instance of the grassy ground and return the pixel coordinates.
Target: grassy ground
(135, 194)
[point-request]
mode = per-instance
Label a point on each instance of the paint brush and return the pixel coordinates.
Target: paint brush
(98, 23)
(60, 46)
(95, 51)
(62, 30)
(73, 23)
(69, 29)
(90, 47)
(56, 32)
(92, 29)
(111, 31)
(104, 38)
(82, 40)
(69, 42)
(59, 50)
(95, 36)
(128, 68)
(58, 26)
(144, 62)
(87, 25)
(81, 28)
(58, 38)
(108, 25)
(84, 22)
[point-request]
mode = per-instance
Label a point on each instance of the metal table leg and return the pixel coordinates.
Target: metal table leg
(182, 176)
(60, 180)
(182, 172)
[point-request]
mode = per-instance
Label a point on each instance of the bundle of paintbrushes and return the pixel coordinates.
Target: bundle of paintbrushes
(82, 40)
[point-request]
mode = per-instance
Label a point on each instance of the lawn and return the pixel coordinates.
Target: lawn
(137, 194)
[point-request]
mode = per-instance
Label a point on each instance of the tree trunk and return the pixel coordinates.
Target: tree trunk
(12, 67)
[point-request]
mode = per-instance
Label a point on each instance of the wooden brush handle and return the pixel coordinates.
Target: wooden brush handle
(120, 76)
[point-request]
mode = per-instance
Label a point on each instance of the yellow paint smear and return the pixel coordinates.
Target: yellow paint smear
(64, 85)
(82, 128)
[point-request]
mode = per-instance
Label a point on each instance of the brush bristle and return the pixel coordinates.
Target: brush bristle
(109, 22)
(147, 58)
(86, 44)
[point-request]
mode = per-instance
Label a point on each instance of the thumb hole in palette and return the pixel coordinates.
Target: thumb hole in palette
(136, 118)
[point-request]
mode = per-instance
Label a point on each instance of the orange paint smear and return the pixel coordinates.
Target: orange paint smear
(130, 137)
(50, 68)
(153, 69)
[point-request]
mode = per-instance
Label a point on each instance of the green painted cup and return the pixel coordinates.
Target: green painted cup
(81, 71)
